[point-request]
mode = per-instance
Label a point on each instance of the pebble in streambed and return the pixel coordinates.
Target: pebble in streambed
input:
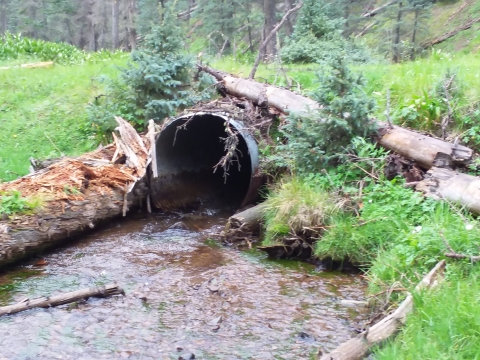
(211, 302)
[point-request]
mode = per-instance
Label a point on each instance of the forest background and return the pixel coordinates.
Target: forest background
(362, 59)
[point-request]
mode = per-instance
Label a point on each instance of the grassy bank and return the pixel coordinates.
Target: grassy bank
(42, 112)
(396, 236)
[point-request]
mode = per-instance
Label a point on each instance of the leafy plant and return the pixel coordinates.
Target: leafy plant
(12, 203)
(15, 46)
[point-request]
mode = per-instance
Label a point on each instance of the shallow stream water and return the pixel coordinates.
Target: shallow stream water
(185, 293)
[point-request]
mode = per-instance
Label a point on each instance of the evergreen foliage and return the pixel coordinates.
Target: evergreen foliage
(316, 139)
(156, 83)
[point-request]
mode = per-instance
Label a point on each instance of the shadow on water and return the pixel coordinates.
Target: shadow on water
(185, 293)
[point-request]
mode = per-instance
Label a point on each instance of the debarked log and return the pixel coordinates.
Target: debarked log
(76, 194)
(450, 185)
(249, 220)
(422, 149)
(56, 300)
(358, 347)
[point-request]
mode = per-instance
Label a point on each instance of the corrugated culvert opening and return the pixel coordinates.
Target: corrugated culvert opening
(186, 159)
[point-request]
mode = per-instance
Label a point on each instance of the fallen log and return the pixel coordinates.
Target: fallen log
(418, 147)
(423, 149)
(44, 64)
(450, 185)
(56, 300)
(358, 347)
(249, 220)
(77, 195)
(450, 34)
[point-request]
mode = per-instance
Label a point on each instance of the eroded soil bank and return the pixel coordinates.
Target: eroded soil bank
(185, 294)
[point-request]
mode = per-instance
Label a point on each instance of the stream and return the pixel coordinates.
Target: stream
(185, 294)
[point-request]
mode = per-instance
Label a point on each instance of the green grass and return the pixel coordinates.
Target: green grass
(42, 112)
(295, 205)
(444, 326)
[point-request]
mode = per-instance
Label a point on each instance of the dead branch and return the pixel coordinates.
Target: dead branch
(358, 347)
(387, 110)
(232, 152)
(448, 117)
(366, 28)
(269, 37)
(380, 8)
(50, 301)
(453, 254)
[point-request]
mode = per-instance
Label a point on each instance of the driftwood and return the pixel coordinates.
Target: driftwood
(420, 148)
(358, 347)
(56, 300)
(447, 184)
(77, 195)
(450, 34)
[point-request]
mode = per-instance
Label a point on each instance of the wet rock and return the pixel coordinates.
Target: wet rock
(180, 225)
(186, 356)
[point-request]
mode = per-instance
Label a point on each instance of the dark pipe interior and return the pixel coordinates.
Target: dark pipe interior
(186, 159)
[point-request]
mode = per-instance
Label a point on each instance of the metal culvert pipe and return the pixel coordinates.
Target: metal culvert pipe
(188, 149)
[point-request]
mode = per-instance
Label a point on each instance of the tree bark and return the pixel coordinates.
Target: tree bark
(56, 300)
(420, 148)
(79, 194)
(447, 184)
(115, 24)
(358, 347)
(270, 16)
(396, 41)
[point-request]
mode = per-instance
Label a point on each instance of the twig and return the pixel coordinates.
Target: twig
(55, 146)
(387, 111)
(269, 37)
(453, 254)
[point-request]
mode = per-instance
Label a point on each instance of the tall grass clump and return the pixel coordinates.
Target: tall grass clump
(294, 206)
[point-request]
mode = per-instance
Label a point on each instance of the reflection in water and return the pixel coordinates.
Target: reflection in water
(184, 294)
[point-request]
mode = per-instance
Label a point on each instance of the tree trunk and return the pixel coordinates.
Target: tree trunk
(3, 16)
(131, 29)
(80, 194)
(358, 347)
(418, 147)
(396, 41)
(115, 24)
(290, 21)
(270, 19)
(414, 34)
(62, 299)
(92, 41)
